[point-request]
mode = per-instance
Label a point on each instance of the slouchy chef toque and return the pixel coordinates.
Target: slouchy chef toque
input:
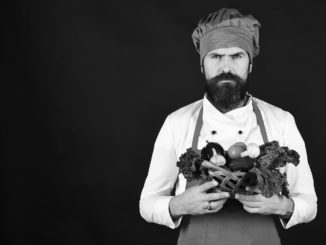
(227, 28)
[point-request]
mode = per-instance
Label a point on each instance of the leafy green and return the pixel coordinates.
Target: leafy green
(190, 165)
(270, 181)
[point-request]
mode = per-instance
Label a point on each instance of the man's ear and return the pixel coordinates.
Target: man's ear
(250, 68)
(202, 69)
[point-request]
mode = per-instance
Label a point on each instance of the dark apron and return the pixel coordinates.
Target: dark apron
(231, 225)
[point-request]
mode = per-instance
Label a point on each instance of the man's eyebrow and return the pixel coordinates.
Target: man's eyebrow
(216, 53)
(237, 53)
(234, 54)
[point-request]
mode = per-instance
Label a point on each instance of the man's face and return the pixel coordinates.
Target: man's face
(226, 71)
(234, 60)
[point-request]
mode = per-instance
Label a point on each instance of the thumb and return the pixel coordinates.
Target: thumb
(254, 189)
(208, 185)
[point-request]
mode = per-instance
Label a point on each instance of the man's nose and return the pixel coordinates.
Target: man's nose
(226, 69)
(226, 66)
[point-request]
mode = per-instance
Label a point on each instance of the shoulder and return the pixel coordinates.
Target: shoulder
(185, 113)
(182, 120)
(277, 120)
(272, 111)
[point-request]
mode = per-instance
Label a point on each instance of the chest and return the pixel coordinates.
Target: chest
(227, 132)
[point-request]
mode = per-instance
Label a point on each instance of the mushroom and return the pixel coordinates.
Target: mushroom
(252, 151)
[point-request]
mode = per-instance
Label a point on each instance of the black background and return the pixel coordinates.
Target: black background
(87, 86)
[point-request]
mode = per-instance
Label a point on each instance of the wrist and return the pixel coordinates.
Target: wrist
(174, 208)
(287, 207)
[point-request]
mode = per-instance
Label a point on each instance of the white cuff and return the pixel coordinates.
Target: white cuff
(161, 208)
(305, 210)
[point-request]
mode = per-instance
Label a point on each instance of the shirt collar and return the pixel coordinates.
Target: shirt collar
(236, 114)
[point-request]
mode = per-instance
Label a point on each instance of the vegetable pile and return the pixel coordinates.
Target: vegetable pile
(257, 166)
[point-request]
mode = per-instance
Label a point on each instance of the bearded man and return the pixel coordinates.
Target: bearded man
(227, 42)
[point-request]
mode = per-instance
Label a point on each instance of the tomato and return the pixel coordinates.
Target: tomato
(236, 149)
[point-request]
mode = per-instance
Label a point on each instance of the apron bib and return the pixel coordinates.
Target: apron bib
(231, 225)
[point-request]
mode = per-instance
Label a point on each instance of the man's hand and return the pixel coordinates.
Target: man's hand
(195, 200)
(257, 203)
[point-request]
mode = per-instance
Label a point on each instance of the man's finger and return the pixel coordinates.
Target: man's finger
(248, 198)
(210, 165)
(217, 196)
(251, 204)
(254, 189)
(251, 210)
(207, 185)
(216, 173)
(217, 204)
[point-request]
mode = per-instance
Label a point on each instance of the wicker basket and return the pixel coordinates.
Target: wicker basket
(232, 182)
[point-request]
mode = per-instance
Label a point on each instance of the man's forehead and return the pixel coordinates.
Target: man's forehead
(227, 51)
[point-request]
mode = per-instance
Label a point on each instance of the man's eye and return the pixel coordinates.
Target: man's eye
(236, 56)
(215, 56)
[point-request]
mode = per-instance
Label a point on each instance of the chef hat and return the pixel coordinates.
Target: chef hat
(227, 28)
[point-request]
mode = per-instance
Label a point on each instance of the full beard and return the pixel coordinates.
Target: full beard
(226, 91)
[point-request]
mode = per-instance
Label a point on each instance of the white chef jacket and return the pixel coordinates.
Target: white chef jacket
(237, 125)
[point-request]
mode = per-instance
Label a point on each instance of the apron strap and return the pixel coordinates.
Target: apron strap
(260, 121)
(199, 125)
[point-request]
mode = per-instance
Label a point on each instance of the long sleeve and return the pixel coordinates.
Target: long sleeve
(300, 179)
(161, 178)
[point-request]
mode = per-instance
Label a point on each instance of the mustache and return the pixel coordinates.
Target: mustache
(226, 76)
